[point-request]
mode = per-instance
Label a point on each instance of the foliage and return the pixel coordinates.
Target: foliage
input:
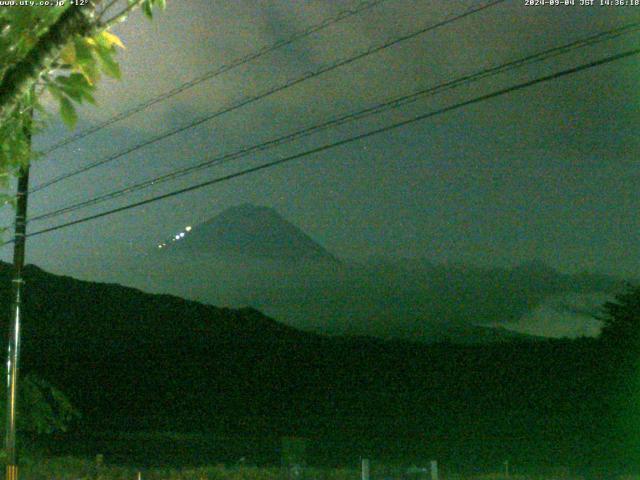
(70, 78)
(84, 58)
(621, 320)
(20, 29)
(42, 408)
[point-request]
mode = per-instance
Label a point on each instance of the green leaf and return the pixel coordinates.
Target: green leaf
(90, 72)
(75, 81)
(108, 64)
(83, 52)
(70, 92)
(147, 9)
(55, 91)
(89, 98)
(77, 87)
(68, 112)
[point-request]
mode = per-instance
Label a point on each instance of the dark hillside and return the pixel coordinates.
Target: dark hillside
(132, 361)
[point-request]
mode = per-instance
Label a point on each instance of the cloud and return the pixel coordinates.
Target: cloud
(541, 173)
(568, 315)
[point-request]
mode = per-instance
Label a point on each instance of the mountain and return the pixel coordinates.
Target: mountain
(247, 231)
(132, 361)
(251, 256)
(417, 300)
(85, 336)
(396, 299)
(149, 349)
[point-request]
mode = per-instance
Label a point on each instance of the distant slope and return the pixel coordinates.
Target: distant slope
(251, 256)
(477, 334)
(413, 299)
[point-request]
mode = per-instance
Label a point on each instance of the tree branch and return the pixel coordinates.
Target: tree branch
(19, 78)
(120, 17)
(107, 7)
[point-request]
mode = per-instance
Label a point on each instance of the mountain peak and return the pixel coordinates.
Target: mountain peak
(250, 208)
(249, 231)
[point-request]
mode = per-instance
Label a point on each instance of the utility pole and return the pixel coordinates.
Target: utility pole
(366, 469)
(16, 314)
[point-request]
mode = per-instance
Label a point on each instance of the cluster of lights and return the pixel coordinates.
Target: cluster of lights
(177, 237)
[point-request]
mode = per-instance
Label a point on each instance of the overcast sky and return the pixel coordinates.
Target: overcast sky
(547, 173)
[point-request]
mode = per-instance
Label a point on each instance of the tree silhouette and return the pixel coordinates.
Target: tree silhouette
(621, 320)
(43, 408)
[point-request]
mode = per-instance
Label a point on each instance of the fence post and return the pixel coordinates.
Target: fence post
(365, 469)
(434, 470)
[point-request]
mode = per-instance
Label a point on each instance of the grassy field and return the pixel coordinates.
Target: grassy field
(70, 468)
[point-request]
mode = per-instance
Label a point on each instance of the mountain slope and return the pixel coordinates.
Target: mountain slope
(248, 231)
(411, 300)
(119, 350)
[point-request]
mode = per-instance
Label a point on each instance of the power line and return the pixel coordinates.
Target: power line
(214, 73)
(261, 96)
(362, 136)
(376, 109)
